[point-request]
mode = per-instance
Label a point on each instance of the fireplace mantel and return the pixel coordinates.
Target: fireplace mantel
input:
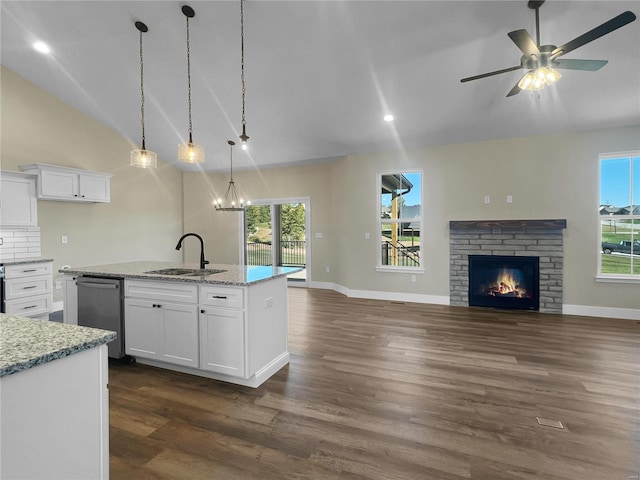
(507, 224)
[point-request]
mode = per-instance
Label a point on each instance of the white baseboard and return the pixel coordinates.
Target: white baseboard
(607, 312)
(57, 306)
(583, 310)
(376, 295)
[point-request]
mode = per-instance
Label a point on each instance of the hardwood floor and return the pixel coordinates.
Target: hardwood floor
(387, 390)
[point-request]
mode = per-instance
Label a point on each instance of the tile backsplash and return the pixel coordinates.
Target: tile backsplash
(18, 243)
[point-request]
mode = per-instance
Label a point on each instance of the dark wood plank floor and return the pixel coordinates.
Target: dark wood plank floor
(386, 390)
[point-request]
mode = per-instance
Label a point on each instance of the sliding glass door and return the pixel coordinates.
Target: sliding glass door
(275, 233)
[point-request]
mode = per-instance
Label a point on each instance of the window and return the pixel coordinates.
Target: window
(275, 233)
(400, 220)
(619, 215)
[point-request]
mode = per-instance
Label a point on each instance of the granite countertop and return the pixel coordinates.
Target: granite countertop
(26, 343)
(230, 274)
(24, 261)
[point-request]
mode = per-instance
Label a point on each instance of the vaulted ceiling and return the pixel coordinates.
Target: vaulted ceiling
(320, 75)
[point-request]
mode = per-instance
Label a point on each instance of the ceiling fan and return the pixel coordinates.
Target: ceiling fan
(542, 60)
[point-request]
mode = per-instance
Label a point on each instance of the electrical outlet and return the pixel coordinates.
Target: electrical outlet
(509, 199)
(64, 239)
(58, 284)
(487, 199)
(413, 279)
(327, 269)
(367, 235)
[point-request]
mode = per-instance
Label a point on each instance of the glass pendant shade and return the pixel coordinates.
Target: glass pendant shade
(143, 158)
(190, 153)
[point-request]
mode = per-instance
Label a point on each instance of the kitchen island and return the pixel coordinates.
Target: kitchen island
(226, 322)
(54, 420)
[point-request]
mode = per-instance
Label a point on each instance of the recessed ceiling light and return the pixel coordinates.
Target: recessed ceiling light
(42, 47)
(388, 118)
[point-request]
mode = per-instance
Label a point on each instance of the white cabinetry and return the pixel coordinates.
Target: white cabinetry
(159, 328)
(222, 330)
(237, 334)
(54, 421)
(28, 290)
(70, 296)
(70, 184)
(18, 204)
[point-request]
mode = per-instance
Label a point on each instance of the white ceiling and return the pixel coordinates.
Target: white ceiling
(321, 74)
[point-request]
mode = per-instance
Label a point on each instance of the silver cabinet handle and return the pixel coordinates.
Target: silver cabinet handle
(29, 287)
(219, 296)
(30, 306)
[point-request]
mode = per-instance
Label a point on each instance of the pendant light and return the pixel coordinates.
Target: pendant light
(142, 157)
(231, 202)
(244, 137)
(190, 152)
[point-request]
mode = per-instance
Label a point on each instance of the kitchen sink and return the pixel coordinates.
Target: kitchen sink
(188, 272)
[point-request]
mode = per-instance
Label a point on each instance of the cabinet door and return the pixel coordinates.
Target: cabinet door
(95, 188)
(70, 295)
(143, 329)
(56, 184)
(180, 334)
(222, 341)
(18, 201)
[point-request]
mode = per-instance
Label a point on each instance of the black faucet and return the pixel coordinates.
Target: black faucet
(203, 262)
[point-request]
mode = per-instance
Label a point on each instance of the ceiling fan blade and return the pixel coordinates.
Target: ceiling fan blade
(524, 42)
(490, 74)
(589, 65)
(514, 91)
(607, 27)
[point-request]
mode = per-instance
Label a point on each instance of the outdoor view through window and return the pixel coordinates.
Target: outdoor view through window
(619, 214)
(400, 220)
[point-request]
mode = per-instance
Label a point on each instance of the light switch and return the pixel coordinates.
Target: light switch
(319, 235)
(64, 239)
(509, 199)
(367, 236)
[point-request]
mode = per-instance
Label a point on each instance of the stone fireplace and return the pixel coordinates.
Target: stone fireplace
(509, 238)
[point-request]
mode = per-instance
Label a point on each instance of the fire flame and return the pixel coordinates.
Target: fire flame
(506, 284)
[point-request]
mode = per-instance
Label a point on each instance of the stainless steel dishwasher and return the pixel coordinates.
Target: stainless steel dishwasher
(101, 305)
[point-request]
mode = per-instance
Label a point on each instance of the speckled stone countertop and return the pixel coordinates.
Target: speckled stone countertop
(231, 274)
(24, 261)
(26, 343)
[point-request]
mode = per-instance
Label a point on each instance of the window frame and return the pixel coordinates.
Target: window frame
(380, 267)
(617, 277)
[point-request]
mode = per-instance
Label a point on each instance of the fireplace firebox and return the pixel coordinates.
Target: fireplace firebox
(510, 282)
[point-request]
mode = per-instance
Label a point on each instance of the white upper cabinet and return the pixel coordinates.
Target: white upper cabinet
(18, 204)
(70, 184)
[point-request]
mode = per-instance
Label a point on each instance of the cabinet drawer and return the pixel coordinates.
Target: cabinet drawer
(27, 270)
(27, 287)
(221, 296)
(169, 291)
(29, 307)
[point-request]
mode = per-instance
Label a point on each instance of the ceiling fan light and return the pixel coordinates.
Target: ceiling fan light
(143, 159)
(552, 76)
(190, 153)
(526, 81)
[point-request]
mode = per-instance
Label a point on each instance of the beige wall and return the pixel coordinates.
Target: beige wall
(549, 177)
(552, 176)
(143, 220)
